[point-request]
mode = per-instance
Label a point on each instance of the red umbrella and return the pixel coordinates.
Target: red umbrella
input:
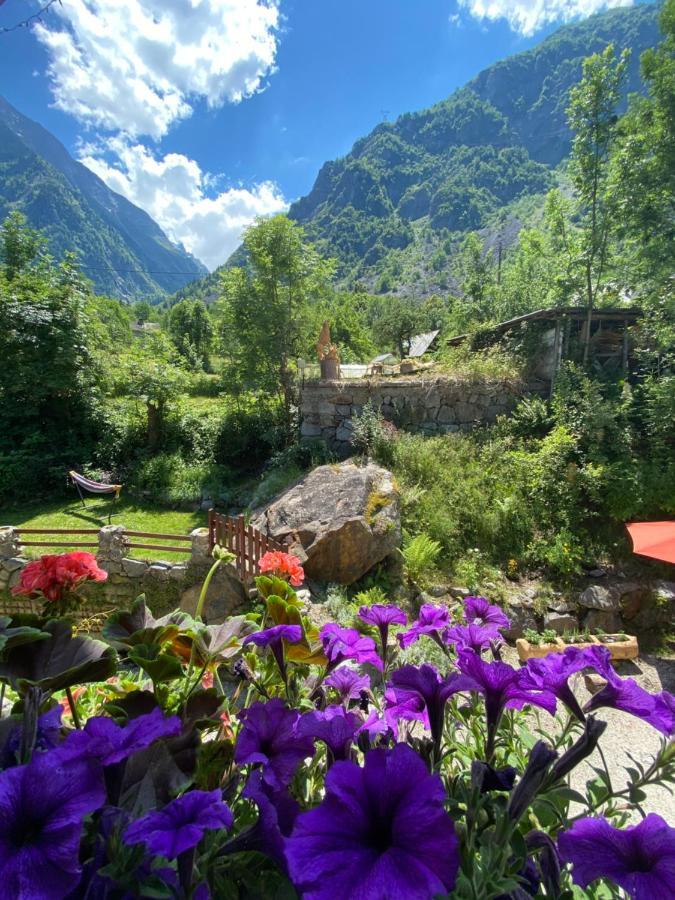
(654, 539)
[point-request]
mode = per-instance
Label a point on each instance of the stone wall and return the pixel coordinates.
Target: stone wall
(166, 585)
(432, 405)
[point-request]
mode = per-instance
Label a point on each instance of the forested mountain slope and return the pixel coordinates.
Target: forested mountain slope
(122, 250)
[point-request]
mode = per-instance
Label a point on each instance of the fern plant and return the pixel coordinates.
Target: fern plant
(420, 554)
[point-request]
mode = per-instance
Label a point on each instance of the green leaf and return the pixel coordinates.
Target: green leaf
(138, 626)
(58, 661)
(12, 635)
(156, 663)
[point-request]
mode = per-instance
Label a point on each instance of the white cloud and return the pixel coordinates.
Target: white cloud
(528, 16)
(138, 65)
(172, 189)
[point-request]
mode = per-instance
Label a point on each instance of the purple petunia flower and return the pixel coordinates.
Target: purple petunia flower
(627, 695)
(180, 826)
(340, 644)
(274, 638)
(269, 737)
(477, 611)
(640, 859)
(382, 616)
(334, 726)
(42, 808)
(431, 620)
(348, 683)
(472, 637)
(374, 730)
(503, 687)
(420, 693)
(554, 671)
(102, 739)
(381, 831)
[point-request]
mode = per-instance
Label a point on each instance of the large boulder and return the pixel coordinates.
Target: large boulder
(343, 519)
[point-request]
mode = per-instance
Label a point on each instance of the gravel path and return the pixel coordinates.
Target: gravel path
(625, 732)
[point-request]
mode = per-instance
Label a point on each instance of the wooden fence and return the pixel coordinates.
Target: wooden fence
(247, 543)
(131, 545)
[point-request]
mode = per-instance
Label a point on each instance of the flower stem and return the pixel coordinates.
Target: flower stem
(73, 708)
(205, 588)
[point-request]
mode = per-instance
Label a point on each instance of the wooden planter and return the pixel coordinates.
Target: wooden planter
(627, 649)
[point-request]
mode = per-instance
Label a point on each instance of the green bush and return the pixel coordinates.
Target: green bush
(420, 554)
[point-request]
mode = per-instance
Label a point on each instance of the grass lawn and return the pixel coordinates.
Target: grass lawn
(134, 515)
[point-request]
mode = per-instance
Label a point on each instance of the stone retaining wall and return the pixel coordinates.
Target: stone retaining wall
(166, 585)
(432, 405)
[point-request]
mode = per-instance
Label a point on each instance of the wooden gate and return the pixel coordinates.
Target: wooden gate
(246, 542)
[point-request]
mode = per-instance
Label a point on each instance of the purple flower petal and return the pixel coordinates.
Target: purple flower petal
(340, 644)
(42, 808)
(380, 614)
(102, 739)
(269, 737)
(477, 611)
(380, 832)
(348, 683)
(472, 637)
(554, 671)
(274, 635)
(334, 726)
(181, 824)
(432, 620)
(627, 695)
(640, 859)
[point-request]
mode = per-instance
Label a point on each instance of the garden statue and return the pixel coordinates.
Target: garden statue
(329, 358)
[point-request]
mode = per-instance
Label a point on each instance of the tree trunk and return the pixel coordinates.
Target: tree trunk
(155, 417)
(589, 314)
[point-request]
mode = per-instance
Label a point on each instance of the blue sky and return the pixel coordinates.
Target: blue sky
(209, 112)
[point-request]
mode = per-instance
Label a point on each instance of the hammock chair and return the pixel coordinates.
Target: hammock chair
(94, 487)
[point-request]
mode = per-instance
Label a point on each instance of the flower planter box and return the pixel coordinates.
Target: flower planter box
(618, 649)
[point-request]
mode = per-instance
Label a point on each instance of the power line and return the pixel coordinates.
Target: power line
(26, 22)
(137, 271)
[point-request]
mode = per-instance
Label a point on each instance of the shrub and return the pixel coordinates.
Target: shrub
(420, 554)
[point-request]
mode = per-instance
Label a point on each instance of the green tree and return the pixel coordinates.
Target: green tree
(142, 311)
(643, 167)
(592, 117)
(151, 371)
(398, 321)
(269, 308)
(191, 331)
(475, 273)
(48, 395)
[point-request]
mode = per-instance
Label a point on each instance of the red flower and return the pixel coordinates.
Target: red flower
(54, 576)
(283, 565)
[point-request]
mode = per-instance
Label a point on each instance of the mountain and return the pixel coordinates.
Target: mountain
(121, 249)
(393, 210)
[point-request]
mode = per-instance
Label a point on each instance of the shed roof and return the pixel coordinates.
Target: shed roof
(604, 313)
(421, 343)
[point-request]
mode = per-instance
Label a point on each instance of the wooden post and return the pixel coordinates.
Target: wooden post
(556, 354)
(241, 546)
(624, 349)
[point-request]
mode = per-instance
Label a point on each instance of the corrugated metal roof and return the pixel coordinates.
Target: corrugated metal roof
(421, 343)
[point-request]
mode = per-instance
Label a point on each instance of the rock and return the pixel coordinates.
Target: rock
(461, 593)
(560, 606)
(606, 620)
(594, 682)
(597, 573)
(560, 622)
(665, 591)
(206, 504)
(13, 563)
(134, 568)
(310, 431)
(439, 590)
(346, 517)
(178, 572)
(158, 570)
(225, 596)
(602, 598)
(522, 616)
